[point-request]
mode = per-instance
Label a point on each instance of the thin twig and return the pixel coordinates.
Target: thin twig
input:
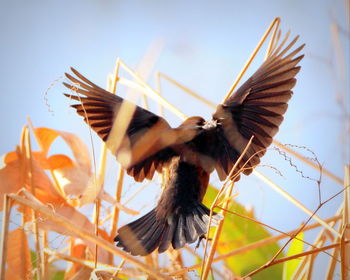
(293, 200)
(296, 256)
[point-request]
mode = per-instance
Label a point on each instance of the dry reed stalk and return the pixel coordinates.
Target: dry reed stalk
(29, 170)
(82, 233)
(152, 93)
(274, 40)
(310, 252)
(310, 267)
(159, 90)
(6, 211)
(265, 225)
(87, 263)
(272, 261)
(96, 219)
(176, 260)
(120, 266)
(207, 262)
(197, 256)
(332, 264)
(335, 252)
(144, 69)
(185, 89)
(118, 195)
(345, 249)
(281, 260)
(44, 258)
(120, 178)
(321, 239)
(148, 62)
(252, 56)
(111, 86)
(255, 245)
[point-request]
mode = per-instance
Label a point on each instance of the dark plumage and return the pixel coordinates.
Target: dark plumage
(191, 151)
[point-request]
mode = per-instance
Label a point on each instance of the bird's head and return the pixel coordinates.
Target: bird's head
(193, 123)
(190, 128)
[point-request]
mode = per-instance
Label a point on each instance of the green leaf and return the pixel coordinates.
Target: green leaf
(54, 272)
(295, 247)
(239, 232)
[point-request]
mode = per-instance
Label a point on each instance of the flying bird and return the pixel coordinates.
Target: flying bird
(191, 151)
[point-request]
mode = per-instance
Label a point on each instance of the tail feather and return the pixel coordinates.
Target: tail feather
(167, 236)
(151, 240)
(199, 225)
(191, 233)
(142, 221)
(179, 238)
(148, 233)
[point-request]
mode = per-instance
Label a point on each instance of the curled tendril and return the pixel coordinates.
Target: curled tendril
(292, 164)
(47, 104)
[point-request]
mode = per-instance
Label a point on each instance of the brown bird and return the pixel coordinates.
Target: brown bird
(191, 151)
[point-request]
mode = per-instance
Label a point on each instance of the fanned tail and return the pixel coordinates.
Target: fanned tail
(148, 233)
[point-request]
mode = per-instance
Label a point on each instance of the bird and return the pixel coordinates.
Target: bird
(190, 152)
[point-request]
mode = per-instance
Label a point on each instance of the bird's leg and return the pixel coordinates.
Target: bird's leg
(203, 236)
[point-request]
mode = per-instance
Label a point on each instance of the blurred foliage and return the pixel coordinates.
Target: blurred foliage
(238, 232)
(296, 247)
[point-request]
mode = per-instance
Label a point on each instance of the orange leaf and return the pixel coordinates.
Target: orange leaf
(14, 176)
(19, 265)
(59, 161)
(40, 157)
(9, 157)
(46, 136)
(73, 181)
(61, 207)
(78, 251)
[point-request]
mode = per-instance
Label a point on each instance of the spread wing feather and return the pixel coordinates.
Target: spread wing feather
(257, 108)
(100, 108)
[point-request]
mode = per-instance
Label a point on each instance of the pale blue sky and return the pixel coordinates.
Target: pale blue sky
(206, 44)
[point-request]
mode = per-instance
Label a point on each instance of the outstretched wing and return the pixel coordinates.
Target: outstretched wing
(256, 109)
(142, 143)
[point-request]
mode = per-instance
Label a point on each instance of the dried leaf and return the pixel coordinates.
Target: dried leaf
(19, 265)
(77, 184)
(46, 136)
(59, 161)
(61, 207)
(75, 269)
(14, 176)
(9, 157)
(108, 198)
